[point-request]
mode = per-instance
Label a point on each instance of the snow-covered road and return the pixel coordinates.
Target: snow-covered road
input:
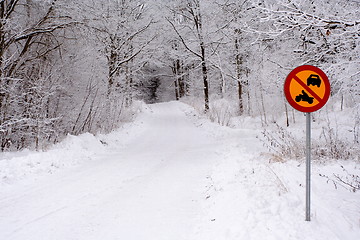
(148, 189)
(171, 175)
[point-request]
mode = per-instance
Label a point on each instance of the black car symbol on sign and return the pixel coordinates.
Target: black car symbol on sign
(314, 80)
(304, 97)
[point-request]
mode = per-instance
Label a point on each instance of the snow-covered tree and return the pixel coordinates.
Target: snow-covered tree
(30, 40)
(189, 24)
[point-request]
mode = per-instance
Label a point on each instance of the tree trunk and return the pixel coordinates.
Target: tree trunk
(287, 116)
(111, 75)
(206, 84)
(2, 49)
(129, 82)
(198, 24)
(176, 90)
(177, 97)
(238, 62)
(180, 78)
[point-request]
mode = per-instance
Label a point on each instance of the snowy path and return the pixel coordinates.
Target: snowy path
(149, 189)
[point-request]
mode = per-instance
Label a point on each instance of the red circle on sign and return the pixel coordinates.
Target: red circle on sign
(291, 77)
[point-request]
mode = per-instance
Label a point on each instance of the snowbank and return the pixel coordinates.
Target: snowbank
(72, 151)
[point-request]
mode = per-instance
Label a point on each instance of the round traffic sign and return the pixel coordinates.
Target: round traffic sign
(307, 88)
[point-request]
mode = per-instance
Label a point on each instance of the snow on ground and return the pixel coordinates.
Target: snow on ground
(72, 151)
(171, 175)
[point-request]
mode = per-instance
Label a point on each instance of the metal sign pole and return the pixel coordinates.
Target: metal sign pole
(308, 166)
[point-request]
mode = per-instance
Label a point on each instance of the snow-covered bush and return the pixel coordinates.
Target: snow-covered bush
(221, 111)
(347, 180)
(283, 143)
(331, 143)
(335, 146)
(195, 102)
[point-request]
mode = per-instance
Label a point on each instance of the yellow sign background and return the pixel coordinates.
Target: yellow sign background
(296, 88)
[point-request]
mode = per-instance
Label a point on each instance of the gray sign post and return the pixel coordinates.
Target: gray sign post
(308, 164)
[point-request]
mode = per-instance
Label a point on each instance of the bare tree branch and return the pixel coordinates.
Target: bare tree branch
(183, 41)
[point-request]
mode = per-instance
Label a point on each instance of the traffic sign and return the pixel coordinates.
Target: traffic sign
(307, 88)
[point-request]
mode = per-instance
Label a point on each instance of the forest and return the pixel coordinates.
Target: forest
(71, 67)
